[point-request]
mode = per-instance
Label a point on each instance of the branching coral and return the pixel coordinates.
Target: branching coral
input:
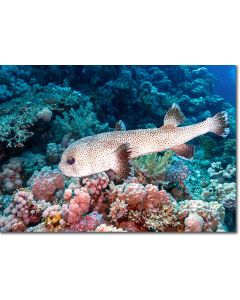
(162, 220)
(19, 116)
(118, 210)
(80, 123)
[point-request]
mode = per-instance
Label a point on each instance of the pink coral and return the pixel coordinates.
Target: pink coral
(78, 205)
(201, 216)
(45, 183)
(95, 185)
(155, 197)
(21, 212)
(193, 223)
(51, 211)
(68, 194)
(139, 197)
(88, 223)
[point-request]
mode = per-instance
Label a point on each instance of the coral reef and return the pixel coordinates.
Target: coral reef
(43, 109)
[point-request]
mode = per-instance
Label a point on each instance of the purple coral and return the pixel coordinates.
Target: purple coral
(177, 172)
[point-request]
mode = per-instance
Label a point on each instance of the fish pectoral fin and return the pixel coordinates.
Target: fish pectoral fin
(120, 126)
(184, 151)
(122, 166)
(174, 116)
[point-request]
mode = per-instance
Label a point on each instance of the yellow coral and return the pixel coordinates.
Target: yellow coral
(53, 222)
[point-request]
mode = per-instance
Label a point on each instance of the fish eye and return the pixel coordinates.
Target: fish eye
(70, 160)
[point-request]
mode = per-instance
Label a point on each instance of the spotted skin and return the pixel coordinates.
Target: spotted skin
(98, 153)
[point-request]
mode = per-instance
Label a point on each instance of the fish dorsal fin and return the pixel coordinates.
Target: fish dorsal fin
(174, 116)
(122, 156)
(184, 151)
(120, 126)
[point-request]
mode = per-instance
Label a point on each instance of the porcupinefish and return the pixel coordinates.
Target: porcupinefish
(112, 151)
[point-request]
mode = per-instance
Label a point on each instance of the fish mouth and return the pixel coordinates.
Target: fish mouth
(64, 172)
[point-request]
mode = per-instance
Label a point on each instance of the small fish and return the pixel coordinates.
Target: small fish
(112, 151)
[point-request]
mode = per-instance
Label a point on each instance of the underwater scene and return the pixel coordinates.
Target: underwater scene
(118, 148)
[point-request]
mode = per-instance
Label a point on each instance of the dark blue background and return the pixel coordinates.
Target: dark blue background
(225, 84)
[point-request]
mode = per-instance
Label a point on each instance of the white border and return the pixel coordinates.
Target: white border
(119, 266)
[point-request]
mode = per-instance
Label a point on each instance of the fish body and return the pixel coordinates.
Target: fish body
(113, 150)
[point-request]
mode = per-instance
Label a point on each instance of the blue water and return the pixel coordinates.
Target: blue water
(225, 81)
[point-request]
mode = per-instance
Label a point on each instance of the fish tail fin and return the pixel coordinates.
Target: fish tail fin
(219, 124)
